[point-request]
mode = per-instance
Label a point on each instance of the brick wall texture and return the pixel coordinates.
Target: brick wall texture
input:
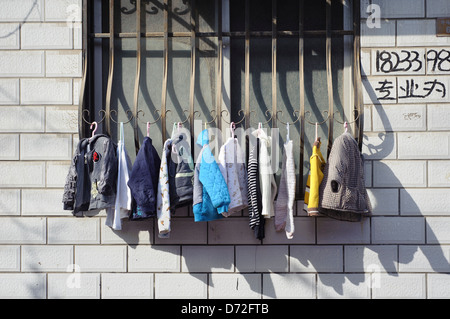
(402, 251)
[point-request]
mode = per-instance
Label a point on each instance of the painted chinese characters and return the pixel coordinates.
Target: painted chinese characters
(405, 75)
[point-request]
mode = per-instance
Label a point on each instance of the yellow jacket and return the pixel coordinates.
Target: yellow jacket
(315, 177)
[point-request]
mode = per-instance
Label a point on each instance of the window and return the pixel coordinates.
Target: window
(275, 62)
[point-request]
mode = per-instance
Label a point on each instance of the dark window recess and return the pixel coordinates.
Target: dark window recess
(162, 62)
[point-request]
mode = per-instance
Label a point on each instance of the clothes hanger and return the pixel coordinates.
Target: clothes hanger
(287, 132)
(232, 128)
(95, 124)
(317, 125)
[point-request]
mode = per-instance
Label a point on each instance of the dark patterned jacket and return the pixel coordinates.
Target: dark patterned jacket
(342, 192)
(92, 177)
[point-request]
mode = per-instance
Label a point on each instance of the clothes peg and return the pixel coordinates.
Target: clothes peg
(95, 124)
(346, 126)
(148, 129)
(179, 125)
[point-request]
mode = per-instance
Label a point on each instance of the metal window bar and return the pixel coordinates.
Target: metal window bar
(274, 34)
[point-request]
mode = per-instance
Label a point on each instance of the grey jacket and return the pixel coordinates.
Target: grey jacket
(92, 177)
(181, 172)
(342, 193)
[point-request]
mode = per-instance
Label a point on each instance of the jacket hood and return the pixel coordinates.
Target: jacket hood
(261, 134)
(203, 138)
(94, 138)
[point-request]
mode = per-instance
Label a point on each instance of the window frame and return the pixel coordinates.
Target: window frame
(352, 72)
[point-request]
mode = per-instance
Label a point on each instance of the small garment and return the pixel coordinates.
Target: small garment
(92, 177)
(181, 170)
(143, 181)
(232, 167)
(266, 174)
(284, 206)
(210, 195)
(122, 207)
(315, 176)
(342, 193)
(163, 196)
(256, 220)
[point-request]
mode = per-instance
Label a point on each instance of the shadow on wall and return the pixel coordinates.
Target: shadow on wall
(409, 230)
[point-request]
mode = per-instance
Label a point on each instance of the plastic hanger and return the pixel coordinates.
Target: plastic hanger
(259, 128)
(287, 132)
(232, 128)
(317, 125)
(95, 128)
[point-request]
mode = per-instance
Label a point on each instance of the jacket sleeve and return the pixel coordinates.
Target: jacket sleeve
(108, 176)
(222, 162)
(214, 183)
(70, 186)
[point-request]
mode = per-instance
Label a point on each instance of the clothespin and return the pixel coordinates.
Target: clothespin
(346, 126)
(206, 125)
(179, 125)
(148, 129)
(259, 128)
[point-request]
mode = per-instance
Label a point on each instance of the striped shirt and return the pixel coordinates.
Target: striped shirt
(257, 221)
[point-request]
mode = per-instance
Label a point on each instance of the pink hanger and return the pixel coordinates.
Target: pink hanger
(95, 129)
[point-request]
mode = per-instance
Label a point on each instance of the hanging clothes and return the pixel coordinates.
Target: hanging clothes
(315, 176)
(210, 195)
(163, 196)
(342, 193)
(143, 180)
(256, 220)
(181, 170)
(122, 207)
(266, 174)
(232, 167)
(284, 206)
(92, 177)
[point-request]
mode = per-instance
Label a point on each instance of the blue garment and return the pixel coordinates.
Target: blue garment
(143, 181)
(211, 197)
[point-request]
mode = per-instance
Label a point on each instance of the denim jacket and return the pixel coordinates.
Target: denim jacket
(92, 177)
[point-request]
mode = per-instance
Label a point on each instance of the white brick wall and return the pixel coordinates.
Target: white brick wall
(402, 251)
